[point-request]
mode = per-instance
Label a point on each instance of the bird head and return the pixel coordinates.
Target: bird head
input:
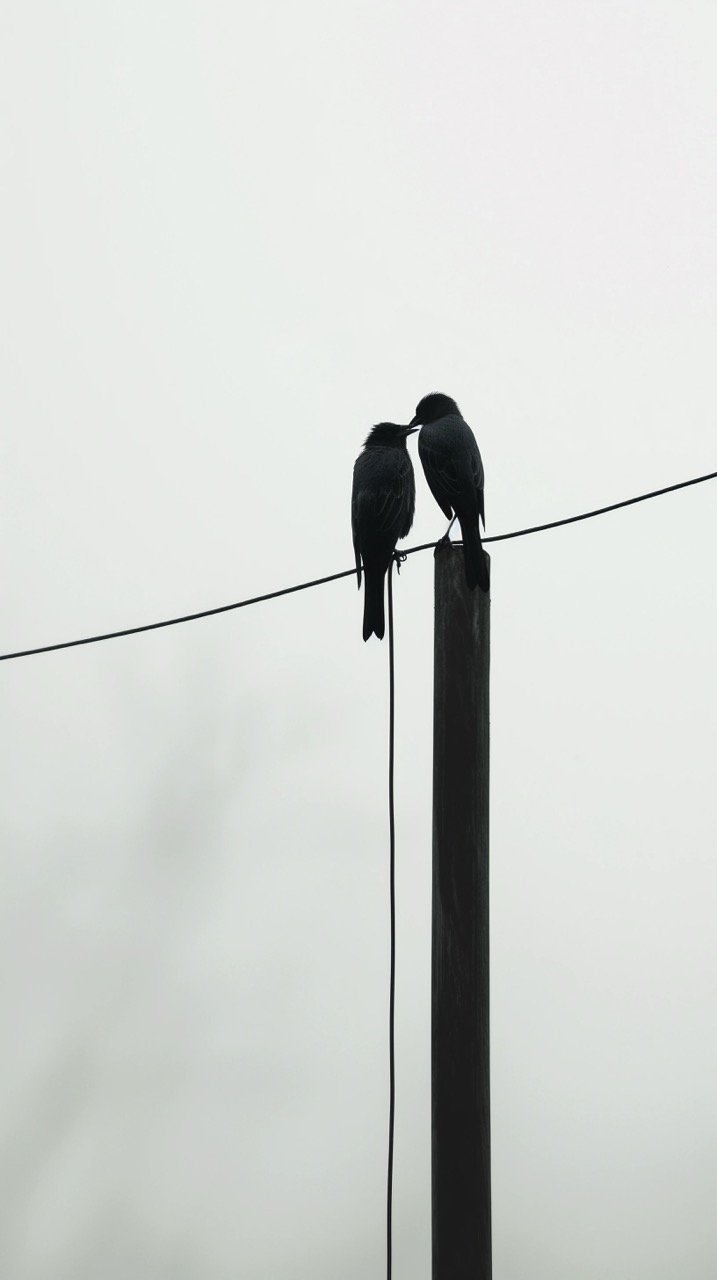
(389, 433)
(432, 407)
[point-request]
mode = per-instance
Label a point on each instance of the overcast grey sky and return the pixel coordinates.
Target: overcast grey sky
(233, 236)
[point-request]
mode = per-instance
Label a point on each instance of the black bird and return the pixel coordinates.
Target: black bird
(454, 471)
(383, 499)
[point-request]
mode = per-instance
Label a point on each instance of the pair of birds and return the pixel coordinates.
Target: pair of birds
(384, 495)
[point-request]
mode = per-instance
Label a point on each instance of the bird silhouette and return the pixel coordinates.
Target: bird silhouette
(383, 500)
(454, 471)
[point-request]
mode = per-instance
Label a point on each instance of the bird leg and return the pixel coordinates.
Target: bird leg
(398, 558)
(444, 541)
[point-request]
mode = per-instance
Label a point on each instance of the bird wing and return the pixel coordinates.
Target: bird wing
(395, 501)
(382, 506)
(408, 498)
(477, 470)
(354, 526)
(454, 469)
(440, 472)
(357, 554)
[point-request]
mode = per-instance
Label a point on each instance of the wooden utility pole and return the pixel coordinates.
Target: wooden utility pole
(460, 1080)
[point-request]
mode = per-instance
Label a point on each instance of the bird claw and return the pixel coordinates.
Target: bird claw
(398, 559)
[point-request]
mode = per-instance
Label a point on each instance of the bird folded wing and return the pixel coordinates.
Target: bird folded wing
(392, 501)
(445, 470)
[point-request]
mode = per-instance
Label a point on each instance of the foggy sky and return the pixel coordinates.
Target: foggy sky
(234, 237)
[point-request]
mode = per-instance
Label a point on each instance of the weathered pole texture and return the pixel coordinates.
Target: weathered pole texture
(460, 1080)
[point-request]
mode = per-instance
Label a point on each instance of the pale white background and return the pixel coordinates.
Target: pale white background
(232, 237)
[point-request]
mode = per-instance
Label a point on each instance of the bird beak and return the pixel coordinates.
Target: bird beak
(410, 429)
(413, 424)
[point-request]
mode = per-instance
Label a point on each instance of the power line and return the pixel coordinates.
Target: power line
(601, 511)
(345, 573)
(173, 622)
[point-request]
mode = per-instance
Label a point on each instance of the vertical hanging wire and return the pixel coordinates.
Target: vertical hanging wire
(392, 980)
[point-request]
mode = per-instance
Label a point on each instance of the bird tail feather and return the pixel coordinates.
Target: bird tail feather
(373, 615)
(474, 558)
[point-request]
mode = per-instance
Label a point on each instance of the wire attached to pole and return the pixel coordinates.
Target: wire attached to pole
(344, 573)
(392, 882)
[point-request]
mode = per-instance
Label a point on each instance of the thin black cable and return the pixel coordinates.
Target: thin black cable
(173, 622)
(585, 515)
(392, 979)
(601, 511)
(345, 573)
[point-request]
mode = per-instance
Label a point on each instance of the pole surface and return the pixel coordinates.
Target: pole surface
(460, 1080)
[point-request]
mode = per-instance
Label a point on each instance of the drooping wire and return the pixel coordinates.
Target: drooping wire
(392, 894)
(173, 622)
(601, 511)
(584, 515)
(345, 573)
